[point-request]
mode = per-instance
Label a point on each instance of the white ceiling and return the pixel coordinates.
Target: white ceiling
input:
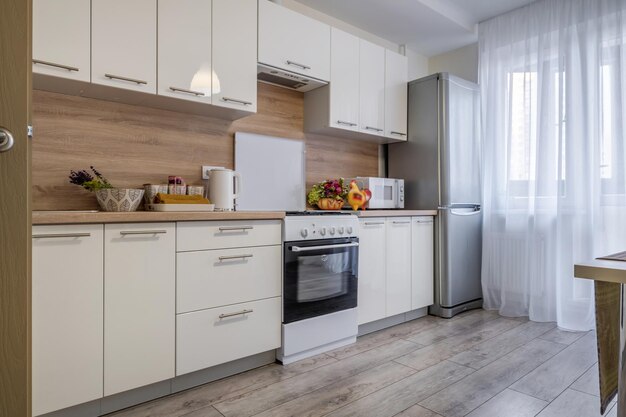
(429, 27)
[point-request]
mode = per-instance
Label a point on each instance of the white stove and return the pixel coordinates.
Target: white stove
(319, 283)
(312, 225)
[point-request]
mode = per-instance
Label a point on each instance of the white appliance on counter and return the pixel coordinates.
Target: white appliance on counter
(387, 193)
(224, 188)
(320, 280)
(274, 172)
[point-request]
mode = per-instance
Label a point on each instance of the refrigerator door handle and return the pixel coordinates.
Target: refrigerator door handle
(463, 212)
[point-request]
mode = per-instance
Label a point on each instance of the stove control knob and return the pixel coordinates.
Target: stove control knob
(349, 230)
(323, 231)
(304, 232)
(341, 230)
(332, 230)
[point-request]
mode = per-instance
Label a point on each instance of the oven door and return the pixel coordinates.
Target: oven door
(320, 277)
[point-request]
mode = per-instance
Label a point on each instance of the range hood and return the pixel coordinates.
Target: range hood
(287, 79)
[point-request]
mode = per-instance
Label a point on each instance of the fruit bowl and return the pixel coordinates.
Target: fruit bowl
(330, 204)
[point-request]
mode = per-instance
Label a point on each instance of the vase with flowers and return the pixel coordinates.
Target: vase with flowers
(328, 195)
(108, 197)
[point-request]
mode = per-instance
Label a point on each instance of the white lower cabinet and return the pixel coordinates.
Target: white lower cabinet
(395, 266)
(67, 316)
(210, 337)
(398, 257)
(139, 306)
(213, 278)
(422, 269)
(372, 270)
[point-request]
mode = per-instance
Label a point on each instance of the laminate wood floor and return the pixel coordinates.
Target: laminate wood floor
(477, 364)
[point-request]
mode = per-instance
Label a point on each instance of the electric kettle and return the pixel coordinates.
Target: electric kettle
(224, 188)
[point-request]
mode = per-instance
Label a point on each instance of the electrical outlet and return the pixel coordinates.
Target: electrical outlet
(206, 169)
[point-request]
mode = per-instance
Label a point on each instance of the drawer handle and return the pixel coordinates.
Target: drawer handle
(341, 122)
(143, 232)
(61, 235)
(373, 223)
(375, 129)
(237, 101)
(52, 64)
(119, 77)
(397, 133)
(226, 258)
(184, 90)
(235, 228)
(238, 313)
(397, 222)
(295, 64)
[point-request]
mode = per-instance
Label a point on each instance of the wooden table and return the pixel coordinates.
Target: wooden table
(611, 272)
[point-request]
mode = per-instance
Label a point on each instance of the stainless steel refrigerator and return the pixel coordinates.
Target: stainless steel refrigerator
(440, 164)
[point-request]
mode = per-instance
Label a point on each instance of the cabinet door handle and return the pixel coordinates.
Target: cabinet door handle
(238, 313)
(397, 133)
(132, 80)
(397, 222)
(237, 101)
(375, 129)
(341, 122)
(295, 64)
(61, 235)
(226, 258)
(184, 90)
(373, 223)
(143, 232)
(53, 64)
(235, 228)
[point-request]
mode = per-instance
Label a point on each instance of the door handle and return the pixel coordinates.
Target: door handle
(312, 248)
(6, 140)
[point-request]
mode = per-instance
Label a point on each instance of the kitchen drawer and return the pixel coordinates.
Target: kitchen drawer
(214, 278)
(203, 339)
(227, 234)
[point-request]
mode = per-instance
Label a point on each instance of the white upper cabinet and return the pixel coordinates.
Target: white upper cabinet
(292, 41)
(184, 67)
(372, 88)
(398, 256)
(139, 305)
(344, 85)
(396, 77)
(235, 54)
(61, 33)
(422, 271)
(124, 44)
(67, 315)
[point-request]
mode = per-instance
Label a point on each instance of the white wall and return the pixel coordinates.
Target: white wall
(462, 62)
(418, 65)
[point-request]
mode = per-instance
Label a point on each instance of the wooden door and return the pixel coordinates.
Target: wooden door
(15, 223)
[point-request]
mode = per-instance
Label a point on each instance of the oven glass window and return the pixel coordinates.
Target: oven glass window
(320, 277)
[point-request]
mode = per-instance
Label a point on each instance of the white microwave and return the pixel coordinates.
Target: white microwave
(387, 193)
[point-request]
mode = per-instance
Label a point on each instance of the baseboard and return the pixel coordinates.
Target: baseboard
(381, 324)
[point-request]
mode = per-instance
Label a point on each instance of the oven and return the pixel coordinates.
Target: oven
(319, 277)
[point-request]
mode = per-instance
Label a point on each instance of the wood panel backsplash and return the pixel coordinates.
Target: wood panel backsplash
(133, 145)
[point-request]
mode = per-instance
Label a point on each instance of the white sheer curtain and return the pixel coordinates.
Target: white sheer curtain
(553, 82)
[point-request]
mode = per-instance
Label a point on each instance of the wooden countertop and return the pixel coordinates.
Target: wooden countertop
(395, 213)
(78, 217)
(602, 270)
